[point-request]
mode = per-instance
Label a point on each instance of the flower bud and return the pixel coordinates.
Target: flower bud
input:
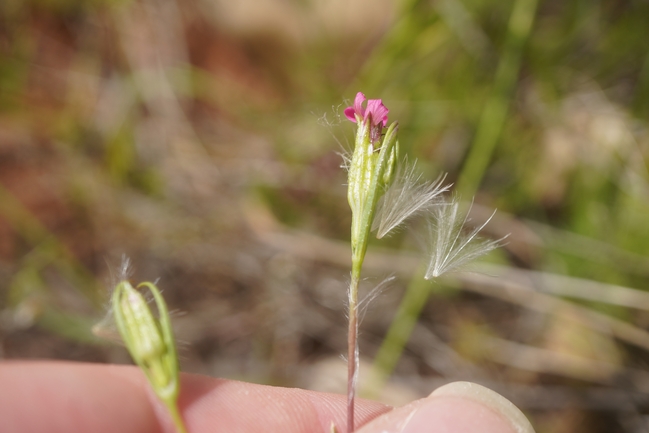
(148, 338)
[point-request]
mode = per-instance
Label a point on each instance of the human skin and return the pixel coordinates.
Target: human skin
(65, 397)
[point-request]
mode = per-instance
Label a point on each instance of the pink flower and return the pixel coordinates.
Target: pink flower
(375, 110)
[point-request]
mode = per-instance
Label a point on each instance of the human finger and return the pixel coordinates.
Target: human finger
(66, 397)
(459, 407)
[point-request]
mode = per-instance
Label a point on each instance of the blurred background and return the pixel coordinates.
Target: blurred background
(202, 139)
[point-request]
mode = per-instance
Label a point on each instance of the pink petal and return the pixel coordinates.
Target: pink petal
(350, 114)
(358, 104)
(378, 110)
(356, 109)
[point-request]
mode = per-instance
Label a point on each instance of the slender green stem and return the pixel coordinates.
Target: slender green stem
(413, 302)
(495, 111)
(360, 235)
(177, 419)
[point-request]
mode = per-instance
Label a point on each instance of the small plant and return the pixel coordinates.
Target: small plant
(149, 339)
(383, 192)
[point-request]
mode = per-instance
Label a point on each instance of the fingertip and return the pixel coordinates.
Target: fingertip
(469, 391)
(53, 397)
(74, 397)
(460, 407)
(209, 403)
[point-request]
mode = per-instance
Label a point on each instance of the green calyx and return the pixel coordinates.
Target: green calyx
(370, 173)
(149, 340)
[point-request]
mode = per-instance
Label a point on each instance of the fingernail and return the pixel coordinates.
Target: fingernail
(466, 406)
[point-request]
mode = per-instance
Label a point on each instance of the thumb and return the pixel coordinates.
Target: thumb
(459, 407)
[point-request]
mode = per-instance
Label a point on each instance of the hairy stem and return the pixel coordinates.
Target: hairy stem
(358, 256)
(352, 349)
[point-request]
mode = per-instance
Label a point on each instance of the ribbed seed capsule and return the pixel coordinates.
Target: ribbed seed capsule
(149, 340)
(145, 335)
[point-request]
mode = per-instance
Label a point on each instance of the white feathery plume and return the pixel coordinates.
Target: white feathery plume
(346, 157)
(406, 197)
(450, 245)
(107, 328)
(364, 303)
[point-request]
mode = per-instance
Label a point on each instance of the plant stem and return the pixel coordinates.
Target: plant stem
(359, 247)
(175, 415)
(495, 111)
(404, 321)
(352, 347)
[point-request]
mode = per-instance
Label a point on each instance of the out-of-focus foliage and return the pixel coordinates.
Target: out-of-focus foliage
(200, 138)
